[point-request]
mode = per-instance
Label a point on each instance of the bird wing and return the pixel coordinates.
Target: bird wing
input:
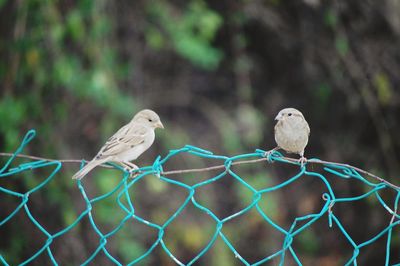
(126, 138)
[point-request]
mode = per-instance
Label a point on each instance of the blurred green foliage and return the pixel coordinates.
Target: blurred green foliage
(61, 52)
(330, 18)
(11, 121)
(342, 45)
(190, 34)
(383, 88)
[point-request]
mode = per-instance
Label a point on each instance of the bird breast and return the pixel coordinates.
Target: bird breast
(292, 135)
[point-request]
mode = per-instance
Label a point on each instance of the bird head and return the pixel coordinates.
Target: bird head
(149, 118)
(289, 113)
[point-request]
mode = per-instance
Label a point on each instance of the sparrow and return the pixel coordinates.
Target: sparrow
(291, 132)
(127, 144)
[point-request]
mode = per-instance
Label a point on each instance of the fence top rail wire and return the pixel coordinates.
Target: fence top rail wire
(374, 183)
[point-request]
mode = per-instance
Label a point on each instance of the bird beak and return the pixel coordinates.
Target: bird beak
(278, 117)
(159, 125)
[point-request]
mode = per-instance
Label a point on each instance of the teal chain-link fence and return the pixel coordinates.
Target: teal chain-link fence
(124, 201)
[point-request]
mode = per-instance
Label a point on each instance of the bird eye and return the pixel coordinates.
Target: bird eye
(289, 114)
(150, 120)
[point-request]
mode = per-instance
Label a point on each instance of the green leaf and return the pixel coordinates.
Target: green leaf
(383, 88)
(322, 93)
(75, 25)
(191, 34)
(330, 18)
(2, 2)
(128, 248)
(154, 38)
(155, 185)
(308, 241)
(342, 45)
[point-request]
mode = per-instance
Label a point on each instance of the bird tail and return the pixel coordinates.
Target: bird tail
(89, 167)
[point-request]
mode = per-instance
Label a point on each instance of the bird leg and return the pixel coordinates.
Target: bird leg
(268, 154)
(129, 167)
(132, 168)
(302, 160)
(126, 167)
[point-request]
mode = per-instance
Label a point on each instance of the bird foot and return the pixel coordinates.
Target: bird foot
(303, 160)
(131, 168)
(268, 154)
(133, 171)
(133, 175)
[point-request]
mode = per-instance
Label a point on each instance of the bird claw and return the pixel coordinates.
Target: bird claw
(268, 155)
(303, 160)
(133, 171)
(133, 175)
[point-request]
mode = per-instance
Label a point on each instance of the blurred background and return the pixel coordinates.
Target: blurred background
(217, 73)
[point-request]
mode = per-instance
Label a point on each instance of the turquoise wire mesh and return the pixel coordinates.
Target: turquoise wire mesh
(123, 192)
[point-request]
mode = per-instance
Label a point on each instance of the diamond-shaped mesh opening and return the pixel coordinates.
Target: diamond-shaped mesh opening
(156, 200)
(220, 197)
(26, 240)
(312, 248)
(252, 228)
(132, 240)
(189, 233)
